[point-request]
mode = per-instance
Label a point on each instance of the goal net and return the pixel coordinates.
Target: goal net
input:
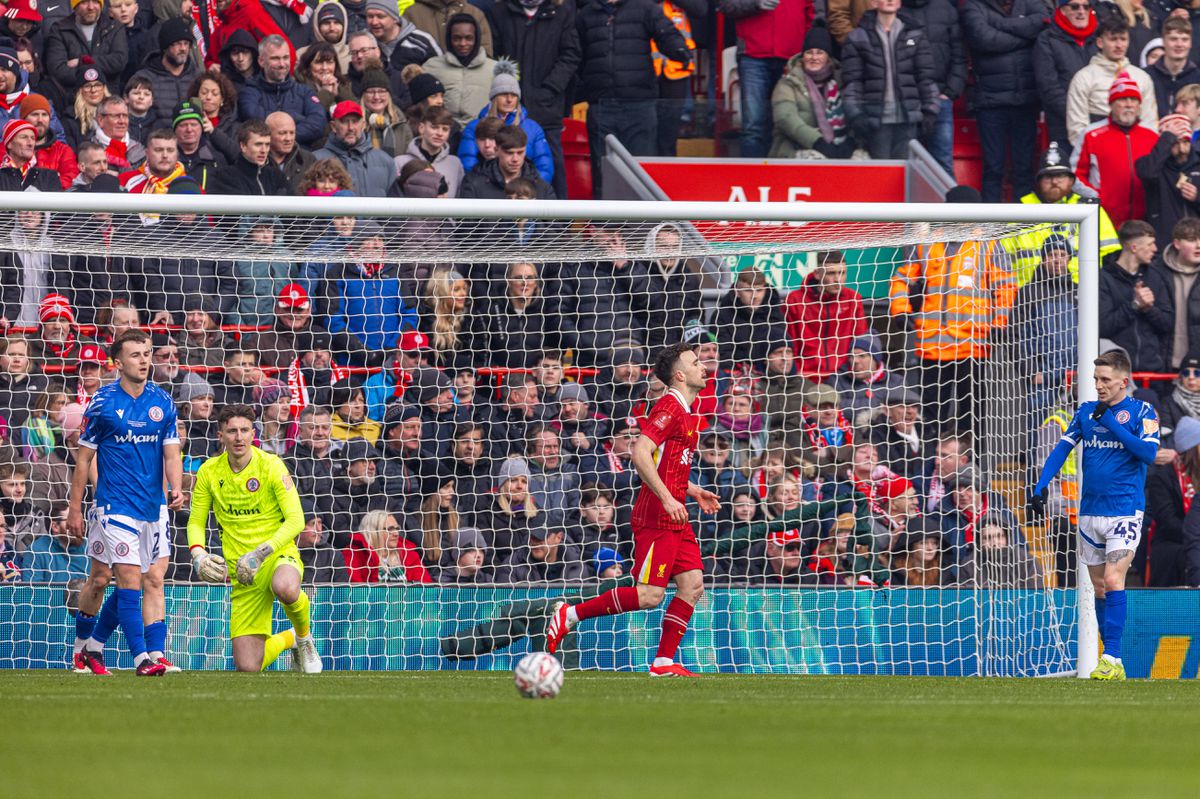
(456, 387)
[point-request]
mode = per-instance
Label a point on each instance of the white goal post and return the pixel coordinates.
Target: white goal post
(716, 236)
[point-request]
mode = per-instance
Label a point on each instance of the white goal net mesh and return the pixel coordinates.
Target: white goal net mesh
(457, 400)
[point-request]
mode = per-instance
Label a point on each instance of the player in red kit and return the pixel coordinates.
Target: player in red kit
(665, 546)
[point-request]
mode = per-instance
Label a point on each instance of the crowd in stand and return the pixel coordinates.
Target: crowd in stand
(839, 460)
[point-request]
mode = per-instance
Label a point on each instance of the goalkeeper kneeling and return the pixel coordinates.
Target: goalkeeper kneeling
(259, 516)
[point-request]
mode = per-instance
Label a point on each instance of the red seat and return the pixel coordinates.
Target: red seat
(577, 159)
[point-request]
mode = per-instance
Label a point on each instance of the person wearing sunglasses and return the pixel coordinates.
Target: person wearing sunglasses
(1062, 49)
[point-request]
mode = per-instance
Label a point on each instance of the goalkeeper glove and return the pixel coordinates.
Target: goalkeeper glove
(209, 568)
(1100, 410)
(248, 564)
(1037, 502)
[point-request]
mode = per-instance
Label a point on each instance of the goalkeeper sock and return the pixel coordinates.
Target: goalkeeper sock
(619, 600)
(274, 645)
(675, 624)
(1114, 624)
(156, 638)
(297, 614)
(84, 624)
(129, 609)
(106, 622)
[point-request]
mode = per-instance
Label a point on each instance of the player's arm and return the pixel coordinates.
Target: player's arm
(208, 567)
(283, 490)
(1054, 463)
(173, 469)
(84, 462)
(1144, 447)
(643, 462)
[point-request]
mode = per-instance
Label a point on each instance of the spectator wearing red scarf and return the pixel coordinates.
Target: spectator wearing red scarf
(1062, 49)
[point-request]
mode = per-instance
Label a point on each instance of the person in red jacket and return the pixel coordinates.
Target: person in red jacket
(1105, 156)
(824, 317)
(247, 15)
(52, 153)
(769, 32)
(380, 554)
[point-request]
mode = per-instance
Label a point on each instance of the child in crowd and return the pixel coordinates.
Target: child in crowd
(432, 145)
(139, 98)
(41, 435)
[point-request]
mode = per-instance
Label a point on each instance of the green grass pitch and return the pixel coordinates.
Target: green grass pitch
(607, 735)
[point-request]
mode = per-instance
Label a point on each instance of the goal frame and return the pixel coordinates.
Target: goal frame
(1086, 215)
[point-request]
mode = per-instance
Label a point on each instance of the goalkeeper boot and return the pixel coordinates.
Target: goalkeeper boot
(170, 667)
(670, 670)
(1108, 669)
(150, 668)
(560, 624)
(310, 661)
(88, 662)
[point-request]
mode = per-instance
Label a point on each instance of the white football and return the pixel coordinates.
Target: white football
(538, 675)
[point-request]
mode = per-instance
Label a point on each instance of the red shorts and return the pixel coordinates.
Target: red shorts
(659, 555)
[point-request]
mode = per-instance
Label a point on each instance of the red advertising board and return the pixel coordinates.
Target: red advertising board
(742, 180)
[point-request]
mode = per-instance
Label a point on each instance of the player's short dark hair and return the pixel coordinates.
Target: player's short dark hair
(1133, 229)
(134, 336)
(511, 137)
(667, 358)
(235, 412)
(1116, 360)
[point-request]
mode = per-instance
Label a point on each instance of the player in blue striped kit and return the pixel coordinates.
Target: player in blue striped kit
(1119, 435)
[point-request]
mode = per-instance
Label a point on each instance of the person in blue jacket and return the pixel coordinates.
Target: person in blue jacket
(505, 96)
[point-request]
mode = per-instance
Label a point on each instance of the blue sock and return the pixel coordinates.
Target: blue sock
(156, 637)
(1100, 612)
(108, 620)
(84, 625)
(1114, 623)
(129, 608)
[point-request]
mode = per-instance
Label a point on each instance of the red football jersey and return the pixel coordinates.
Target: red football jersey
(674, 429)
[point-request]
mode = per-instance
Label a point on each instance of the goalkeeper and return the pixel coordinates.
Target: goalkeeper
(259, 515)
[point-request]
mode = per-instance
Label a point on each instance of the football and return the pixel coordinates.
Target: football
(538, 675)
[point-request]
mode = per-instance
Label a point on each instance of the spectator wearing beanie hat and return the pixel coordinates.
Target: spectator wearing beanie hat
(387, 125)
(171, 68)
(19, 170)
(58, 340)
(1105, 157)
(22, 20)
(807, 103)
(197, 154)
(1088, 100)
(505, 105)
(52, 152)
(104, 42)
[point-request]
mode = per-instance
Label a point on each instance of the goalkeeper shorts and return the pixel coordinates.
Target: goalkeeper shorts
(251, 606)
(113, 539)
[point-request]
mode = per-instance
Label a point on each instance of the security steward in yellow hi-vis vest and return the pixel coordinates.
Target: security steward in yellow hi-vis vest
(674, 77)
(956, 294)
(1054, 184)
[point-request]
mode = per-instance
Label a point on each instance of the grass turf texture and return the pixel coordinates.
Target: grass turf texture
(469, 734)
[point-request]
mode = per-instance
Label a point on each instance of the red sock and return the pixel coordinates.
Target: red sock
(619, 600)
(675, 624)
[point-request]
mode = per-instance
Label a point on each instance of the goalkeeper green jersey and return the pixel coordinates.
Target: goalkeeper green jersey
(257, 505)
